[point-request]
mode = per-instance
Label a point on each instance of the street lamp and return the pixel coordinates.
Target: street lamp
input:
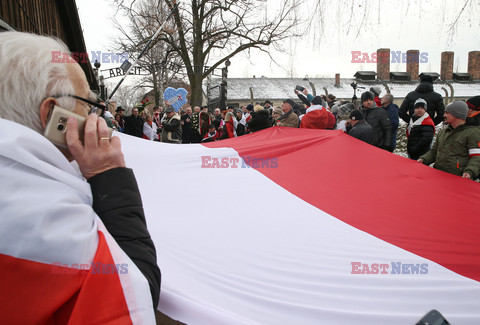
(102, 88)
(98, 78)
(223, 85)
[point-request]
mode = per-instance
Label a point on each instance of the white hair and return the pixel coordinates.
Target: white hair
(389, 97)
(28, 75)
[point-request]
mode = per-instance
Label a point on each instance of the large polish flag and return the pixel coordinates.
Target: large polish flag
(298, 226)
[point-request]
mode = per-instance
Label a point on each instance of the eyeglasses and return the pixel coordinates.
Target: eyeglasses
(96, 108)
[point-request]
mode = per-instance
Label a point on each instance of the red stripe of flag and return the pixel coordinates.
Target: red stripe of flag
(422, 210)
(41, 293)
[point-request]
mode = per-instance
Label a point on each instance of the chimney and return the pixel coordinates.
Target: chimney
(446, 68)
(383, 64)
(337, 79)
(413, 57)
(474, 64)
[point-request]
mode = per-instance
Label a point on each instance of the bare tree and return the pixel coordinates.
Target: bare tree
(144, 19)
(209, 32)
(352, 17)
(127, 96)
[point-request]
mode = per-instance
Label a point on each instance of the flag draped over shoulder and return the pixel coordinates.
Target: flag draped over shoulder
(294, 226)
(58, 263)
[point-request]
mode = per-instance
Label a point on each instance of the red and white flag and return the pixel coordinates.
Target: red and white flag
(58, 263)
(295, 226)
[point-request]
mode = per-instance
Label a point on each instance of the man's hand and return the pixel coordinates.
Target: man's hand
(420, 160)
(97, 153)
(467, 176)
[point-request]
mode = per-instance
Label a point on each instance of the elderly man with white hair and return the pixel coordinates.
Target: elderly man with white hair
(74, 243)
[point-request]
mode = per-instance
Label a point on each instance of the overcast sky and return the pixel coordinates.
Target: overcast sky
(398, 25)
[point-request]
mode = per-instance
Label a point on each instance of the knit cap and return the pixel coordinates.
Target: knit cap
(474, 103)
(458, 109)
(420, 103)
(367, 95)
(356, 115)
(376, 90)
(344, 111)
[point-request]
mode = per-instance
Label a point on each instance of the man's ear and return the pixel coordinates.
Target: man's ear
(45, 108)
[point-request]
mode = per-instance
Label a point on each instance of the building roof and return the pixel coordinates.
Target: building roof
(241, 89)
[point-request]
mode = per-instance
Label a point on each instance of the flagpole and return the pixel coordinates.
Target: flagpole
(141, 53)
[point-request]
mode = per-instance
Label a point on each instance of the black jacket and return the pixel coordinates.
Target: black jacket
(434, 103)
(475, 120)
(134, 126)
(187, 131)
(260, 120)
(362, 131)
(419, 141)
(381, 126)
(117, 201)
(172, 129)
(240, 129)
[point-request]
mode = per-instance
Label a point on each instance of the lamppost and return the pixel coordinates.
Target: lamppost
(223, 85)
(99, 79)
(103, 95)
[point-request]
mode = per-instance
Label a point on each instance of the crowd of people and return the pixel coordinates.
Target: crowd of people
(84, 203)
(375, 122)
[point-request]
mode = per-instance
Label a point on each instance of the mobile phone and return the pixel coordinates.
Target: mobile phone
(433, 317)
(299, 88)
(56, 128)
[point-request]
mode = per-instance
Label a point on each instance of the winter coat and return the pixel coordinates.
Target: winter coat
(318, 117)
(211, 137)
(150, 131)
(474, 119)
(126, 224)
(260, 120)
(187, 131)
(392, 111)
(456, 151)
(289, 119)
(229, 128)
(362, 131)
(134, 126)
(172, 130)
(434, 103)
(381, 126)
(420, 136)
